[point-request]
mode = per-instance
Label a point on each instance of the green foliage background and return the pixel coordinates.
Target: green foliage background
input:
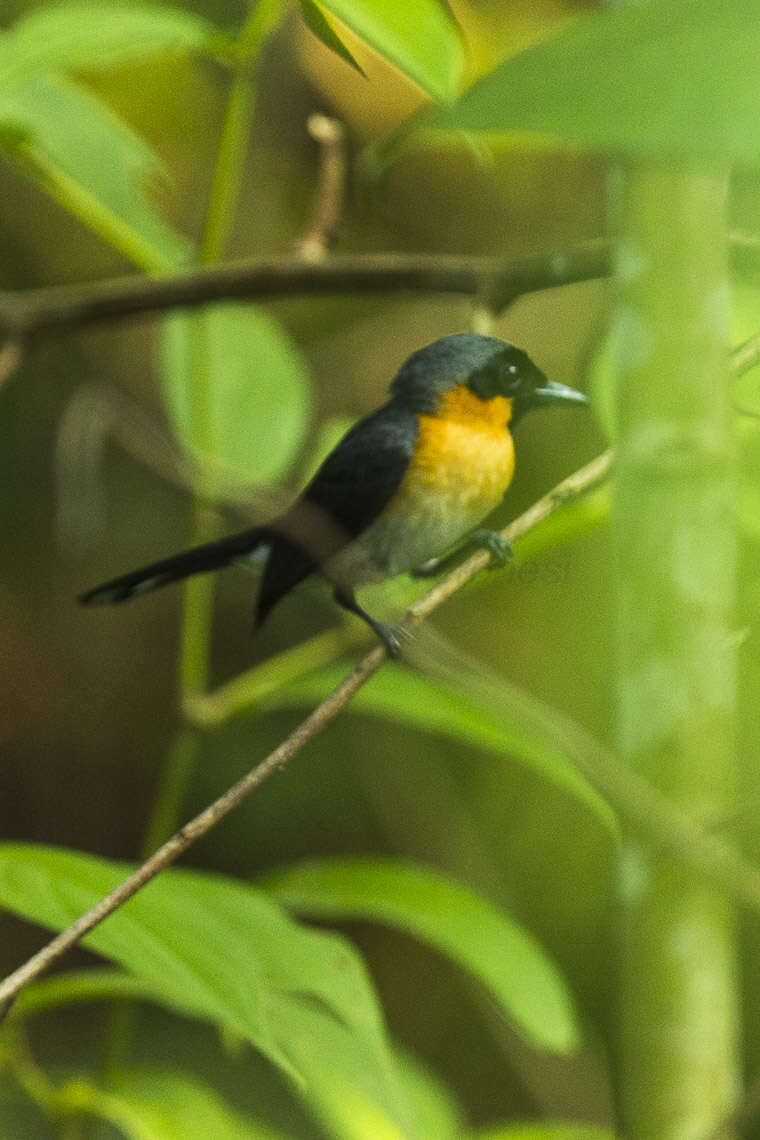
(458, 851)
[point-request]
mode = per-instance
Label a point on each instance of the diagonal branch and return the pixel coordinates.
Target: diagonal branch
(643, 807)
(583, 480)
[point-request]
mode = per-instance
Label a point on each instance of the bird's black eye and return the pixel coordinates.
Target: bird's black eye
(501, 376)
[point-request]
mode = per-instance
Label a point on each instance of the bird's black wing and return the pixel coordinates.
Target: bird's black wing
(351, 488)
(359, 478)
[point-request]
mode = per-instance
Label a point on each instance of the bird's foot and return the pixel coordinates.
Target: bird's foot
(500, 550)
(391, 636)
(497, 546)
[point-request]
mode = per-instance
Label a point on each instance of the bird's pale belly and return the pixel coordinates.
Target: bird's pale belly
(451, 485)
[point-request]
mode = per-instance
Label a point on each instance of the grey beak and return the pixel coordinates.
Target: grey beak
(552, 393)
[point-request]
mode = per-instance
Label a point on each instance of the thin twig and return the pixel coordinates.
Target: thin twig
(327, 211)
(575, 485)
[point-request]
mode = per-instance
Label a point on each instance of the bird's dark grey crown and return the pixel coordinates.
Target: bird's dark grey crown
(488, 366)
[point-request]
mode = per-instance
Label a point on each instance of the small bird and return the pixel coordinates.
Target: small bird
(398, 492)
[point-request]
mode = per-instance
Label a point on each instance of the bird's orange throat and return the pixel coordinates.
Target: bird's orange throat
(465, 450)
(462, 406)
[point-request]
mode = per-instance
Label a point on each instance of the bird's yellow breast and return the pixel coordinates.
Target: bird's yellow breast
(464, 453)
(460, 468)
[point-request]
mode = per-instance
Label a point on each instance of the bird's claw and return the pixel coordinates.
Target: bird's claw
(392, 636)
(497, 546)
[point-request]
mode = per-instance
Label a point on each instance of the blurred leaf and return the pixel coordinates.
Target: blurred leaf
(73, 987)
(329, 435)
(498, 719)
(651, 78)
(62, 37)
(263, 18)
(353, 1092)
(578, 517)
(435, 1112)
(93, 163)
(432, 1106)
(325, 33)
(465, 927)
(165, 1104)
(600, 379)
(543, 1131)
(215, 949)
(247, 420)
(421, 39)
(745, 322)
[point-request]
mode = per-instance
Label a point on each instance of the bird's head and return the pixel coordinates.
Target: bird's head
(486, 367)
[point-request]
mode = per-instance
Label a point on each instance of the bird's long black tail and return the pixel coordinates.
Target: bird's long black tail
(196, 561)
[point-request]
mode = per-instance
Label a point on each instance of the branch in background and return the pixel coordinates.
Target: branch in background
(36, 311)
(327, 211)
(495, 283)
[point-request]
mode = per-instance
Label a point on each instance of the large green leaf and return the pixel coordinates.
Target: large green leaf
(431, 1104)
(237, 391)
(496, 718)
(216, 949)
(93, 163)
(467, 928)
(165, 1104)
(434, 1109)
(420, 38)
(71, 36)
(654, 79)
(350, 1089)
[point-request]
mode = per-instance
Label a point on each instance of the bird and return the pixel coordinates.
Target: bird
(404, 491)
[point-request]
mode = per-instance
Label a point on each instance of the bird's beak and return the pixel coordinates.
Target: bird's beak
(552, 393)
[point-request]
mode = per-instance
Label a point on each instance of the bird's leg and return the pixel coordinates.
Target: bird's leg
(389, 636)
(481, 539)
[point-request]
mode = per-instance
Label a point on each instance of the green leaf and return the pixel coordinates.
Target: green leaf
(471, 931)
(601, 371)
(498, 719)
(62, 37)
(420, 39)
(237, 391)
(436, 1113)
(214, 949)
(328, 436)
(325, 33)
(353, 1092)
(165, 1104)
(431, 1104)
(646, 79)
(72, 987)
(543, 1131)
(93, 163)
